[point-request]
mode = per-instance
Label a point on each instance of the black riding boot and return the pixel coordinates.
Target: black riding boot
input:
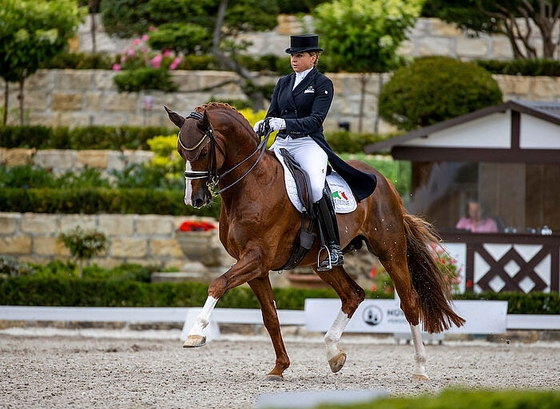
(324, 209)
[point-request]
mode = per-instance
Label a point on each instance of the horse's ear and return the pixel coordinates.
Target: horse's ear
(177, 119)
(205, 121)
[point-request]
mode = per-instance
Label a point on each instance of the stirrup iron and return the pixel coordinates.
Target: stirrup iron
(329, 265)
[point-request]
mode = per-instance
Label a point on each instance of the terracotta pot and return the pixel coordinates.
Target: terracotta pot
(199, 246)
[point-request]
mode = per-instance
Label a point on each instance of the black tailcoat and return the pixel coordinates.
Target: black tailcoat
(304, 109)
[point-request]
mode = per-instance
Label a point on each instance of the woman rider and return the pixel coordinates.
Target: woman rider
(299, 105)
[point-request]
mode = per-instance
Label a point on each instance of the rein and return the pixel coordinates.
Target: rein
(211, 174)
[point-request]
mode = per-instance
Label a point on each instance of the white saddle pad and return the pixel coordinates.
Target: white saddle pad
(343, 198)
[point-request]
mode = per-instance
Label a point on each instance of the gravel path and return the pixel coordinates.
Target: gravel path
(101, 371)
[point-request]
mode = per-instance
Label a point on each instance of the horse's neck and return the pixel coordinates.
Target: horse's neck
(267, 172)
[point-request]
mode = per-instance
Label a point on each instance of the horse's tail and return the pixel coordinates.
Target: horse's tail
(434, 292)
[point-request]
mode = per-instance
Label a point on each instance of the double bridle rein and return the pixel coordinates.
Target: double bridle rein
(211, 175)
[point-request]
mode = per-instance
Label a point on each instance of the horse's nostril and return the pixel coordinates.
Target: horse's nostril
(198, 203)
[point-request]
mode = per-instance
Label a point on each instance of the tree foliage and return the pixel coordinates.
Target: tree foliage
(32, 32)
(364, 35)
(516, 19)
(434, 89)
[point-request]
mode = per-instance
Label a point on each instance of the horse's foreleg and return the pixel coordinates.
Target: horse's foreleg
(263, 290)
(196, 337)
(419, 354)
(238, 274)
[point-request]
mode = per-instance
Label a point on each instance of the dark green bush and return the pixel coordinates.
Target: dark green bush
(89, 137)
(145, 79)
(434, 89)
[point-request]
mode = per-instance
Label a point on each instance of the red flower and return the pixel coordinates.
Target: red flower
(195, 225)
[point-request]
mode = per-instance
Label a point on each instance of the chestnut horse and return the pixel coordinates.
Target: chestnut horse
(258, 225)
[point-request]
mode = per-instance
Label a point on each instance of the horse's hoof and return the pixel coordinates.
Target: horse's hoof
(273, 377)
(337, 362)
(420, 378)
(194, 341)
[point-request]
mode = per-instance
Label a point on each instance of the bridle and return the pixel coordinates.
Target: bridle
(211, 175)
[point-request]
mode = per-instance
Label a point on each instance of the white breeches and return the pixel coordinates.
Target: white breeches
(312, 159)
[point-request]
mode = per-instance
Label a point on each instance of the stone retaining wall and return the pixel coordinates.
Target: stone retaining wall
(140, 239)
(88, 97)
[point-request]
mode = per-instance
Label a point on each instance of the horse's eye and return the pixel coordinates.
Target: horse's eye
(203, 154)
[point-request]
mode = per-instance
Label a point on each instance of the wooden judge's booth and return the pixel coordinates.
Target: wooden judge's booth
(507, 157)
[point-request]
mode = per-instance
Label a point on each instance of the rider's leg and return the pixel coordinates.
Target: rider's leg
(313, 160)
(324, 209)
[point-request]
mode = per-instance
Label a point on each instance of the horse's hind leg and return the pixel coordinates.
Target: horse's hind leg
(400, 276)
(419, 354)
(351, 295)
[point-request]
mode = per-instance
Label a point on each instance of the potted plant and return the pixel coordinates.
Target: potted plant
(198, 241)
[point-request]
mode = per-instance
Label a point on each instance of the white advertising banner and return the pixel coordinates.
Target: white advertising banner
(385, 316)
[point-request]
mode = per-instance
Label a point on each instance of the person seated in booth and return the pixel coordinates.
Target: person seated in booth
(476, 220)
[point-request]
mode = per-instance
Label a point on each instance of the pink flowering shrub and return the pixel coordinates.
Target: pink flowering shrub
(140, 55)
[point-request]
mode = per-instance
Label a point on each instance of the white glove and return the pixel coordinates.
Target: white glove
(277, 124)
(258, 127)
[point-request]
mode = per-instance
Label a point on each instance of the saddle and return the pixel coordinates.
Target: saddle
(306, 237)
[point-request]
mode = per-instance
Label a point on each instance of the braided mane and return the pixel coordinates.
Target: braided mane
(214, 105)
(211, 106)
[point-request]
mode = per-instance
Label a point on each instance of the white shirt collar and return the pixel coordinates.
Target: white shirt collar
(300, 76)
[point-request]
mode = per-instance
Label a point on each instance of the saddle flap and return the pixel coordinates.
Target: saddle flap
(303, 187)
(344, 199)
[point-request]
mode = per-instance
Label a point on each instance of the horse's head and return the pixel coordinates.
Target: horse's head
(196, 144)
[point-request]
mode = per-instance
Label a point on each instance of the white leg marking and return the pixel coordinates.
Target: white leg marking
(419, 354)
(188, 186)
(333, 335)
(203, 318)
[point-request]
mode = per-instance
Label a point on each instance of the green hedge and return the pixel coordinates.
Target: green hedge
(36, 291)
(30, 290)
(532, 68)
(79, 138)
(93, 201)
(131, 137)
(520, 303)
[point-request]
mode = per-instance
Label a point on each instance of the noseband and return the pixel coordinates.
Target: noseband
(212, 174)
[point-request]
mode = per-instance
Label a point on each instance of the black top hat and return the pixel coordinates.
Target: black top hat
(306, 42)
